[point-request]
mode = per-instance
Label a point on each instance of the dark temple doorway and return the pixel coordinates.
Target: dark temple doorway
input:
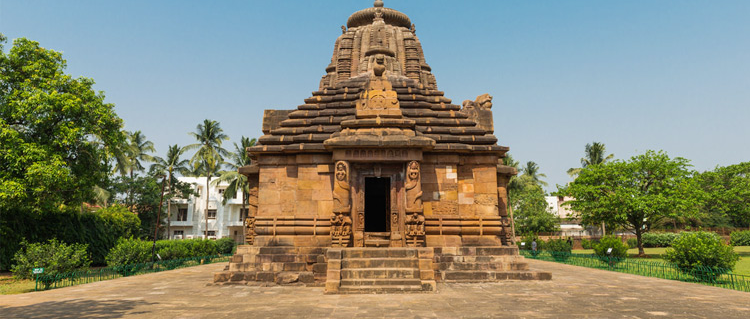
(377, 203)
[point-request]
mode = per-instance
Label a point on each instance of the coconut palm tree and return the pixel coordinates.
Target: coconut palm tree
(129, 155)
(593, 154)
(531, 172)
(209, 154)
(168, 166)
(237, 181)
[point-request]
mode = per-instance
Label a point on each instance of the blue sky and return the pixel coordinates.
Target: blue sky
(635, 75)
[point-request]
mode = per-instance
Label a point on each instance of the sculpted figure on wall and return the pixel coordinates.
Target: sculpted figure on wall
(341, 189)
(414, 225)
(341, 222)
(413, 188)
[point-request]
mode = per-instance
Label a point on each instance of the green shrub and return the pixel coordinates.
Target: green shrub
(619, 250)
(740, 238)
(134, 251)
(588, 244)
(54, 256)
(632, 242)
(559, 249)
(693, 250)
(658, 239)
(129, 251)
(225, 245)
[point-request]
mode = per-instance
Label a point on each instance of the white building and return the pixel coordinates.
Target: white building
(569, 224)
(188, 219)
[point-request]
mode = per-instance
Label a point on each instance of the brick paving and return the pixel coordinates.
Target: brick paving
(573, 292)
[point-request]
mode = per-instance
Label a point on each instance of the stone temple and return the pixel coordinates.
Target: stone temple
(378, 183)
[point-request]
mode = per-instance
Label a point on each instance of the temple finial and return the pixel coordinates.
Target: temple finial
(378, 3)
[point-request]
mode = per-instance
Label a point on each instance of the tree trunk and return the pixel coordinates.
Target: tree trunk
(169, 205)
(208, 180)
(638, 234)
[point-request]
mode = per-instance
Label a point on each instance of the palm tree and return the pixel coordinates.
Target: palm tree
(237, 181)
(593, 154)
(209, 154)
(129, 155)
(531, 172)
(169, 166)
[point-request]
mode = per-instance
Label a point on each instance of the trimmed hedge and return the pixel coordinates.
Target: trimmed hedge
(98, 230)
(658, 239)
(136, 251)
(740, 238)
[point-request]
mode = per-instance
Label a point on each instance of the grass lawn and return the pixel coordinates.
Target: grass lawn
(12, 286)
(741, 268)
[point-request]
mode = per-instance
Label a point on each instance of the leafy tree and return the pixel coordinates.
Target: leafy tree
(593, 154)
(728, 195)
(209, 154)
(636, 194)
(54, 131)
(531, 214)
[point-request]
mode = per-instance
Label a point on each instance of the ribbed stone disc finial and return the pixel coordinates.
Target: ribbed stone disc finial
(378, 3)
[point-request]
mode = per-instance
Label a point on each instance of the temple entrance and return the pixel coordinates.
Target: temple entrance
(377, 204)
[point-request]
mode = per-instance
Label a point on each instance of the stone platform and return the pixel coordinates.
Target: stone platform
(375, 270)
(573, 292)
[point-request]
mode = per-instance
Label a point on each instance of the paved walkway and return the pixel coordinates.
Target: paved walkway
(574, 292)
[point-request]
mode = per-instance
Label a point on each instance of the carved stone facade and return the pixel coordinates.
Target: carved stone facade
(378, 157)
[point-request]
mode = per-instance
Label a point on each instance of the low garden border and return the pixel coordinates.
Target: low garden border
(45, 282)
(718, 277)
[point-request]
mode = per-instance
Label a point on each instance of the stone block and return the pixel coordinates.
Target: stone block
(306, 277)
(465, 198)
(425, 263)
(266, 276)
(485, 199)
(332, 286)
(485, 188)
(425, 252)
(221, 276)
(333, 254)
(325, 208)
(305, 194)
(308, 184)
(427, 274)
(238, 276)
(268, 196)
(287, 278)
(427, 208)
(485, 210)
(307, 206)
(250, 275)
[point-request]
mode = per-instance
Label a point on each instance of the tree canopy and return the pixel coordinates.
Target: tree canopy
(55, 131)
(635, 194)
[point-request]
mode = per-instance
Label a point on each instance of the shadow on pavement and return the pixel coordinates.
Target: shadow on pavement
(76, 309)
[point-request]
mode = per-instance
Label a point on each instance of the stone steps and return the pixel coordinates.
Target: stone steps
(275, 265)
(482, 264)
(379, 270)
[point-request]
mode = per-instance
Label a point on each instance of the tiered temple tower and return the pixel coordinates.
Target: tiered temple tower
(377, 157)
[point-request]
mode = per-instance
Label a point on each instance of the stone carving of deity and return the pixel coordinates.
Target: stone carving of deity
(414, 224)
(413, 188)
(341, 188)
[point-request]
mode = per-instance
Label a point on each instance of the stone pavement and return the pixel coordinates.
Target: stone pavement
(573, 292)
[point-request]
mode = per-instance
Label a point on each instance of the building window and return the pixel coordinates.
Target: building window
(211, 214)
(211, 233)
(181, 214)
(243, 214)
(221, 191)
(179, 233)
